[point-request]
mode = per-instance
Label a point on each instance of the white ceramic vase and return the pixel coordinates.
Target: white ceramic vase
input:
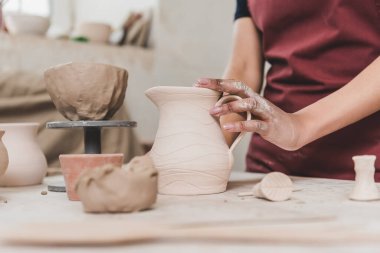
(365, 186)
(20, 23)
(27, 162)
(190, 152)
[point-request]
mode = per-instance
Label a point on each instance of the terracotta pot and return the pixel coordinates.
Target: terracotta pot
(190, 152)
(74, 165)
(3, 155)
(27, 162)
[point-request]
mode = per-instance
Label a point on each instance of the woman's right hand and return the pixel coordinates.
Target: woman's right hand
(272, 123)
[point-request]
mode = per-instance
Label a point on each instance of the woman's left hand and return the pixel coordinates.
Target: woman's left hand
(272, 123)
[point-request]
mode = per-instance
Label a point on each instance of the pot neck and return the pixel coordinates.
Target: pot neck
(161, 94)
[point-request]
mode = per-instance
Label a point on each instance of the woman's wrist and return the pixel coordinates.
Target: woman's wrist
(301, 131)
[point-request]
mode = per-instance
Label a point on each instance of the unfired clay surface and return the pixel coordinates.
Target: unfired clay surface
(113, 189)
(189, 151)
(86, 91)
(3, 155)
(27, 163)
(73, 165)
(275, 186)
(365, 187)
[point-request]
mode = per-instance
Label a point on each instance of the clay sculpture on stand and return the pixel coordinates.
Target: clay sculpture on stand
(189, 151)
(88, 94)
(3, 155)
(112, 189)
(27, 163)
(365, 188)
(275, 186)
(86, 91)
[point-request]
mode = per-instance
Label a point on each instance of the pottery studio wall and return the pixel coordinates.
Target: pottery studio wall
(112, 12)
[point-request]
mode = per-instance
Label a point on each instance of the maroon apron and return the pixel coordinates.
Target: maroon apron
(314, 48)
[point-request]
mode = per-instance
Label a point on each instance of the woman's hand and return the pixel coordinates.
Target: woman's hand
(272, 123)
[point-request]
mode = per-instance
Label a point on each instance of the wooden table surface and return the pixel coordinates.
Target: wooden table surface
(322, 198)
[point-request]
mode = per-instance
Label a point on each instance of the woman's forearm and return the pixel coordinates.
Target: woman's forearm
(246, 61)
(356, 100)
(245, 64)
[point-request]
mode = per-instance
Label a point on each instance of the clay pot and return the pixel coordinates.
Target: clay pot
(190, 152)
(3, 155)
(20, 23)
(94, 32)
(27, 162)
(74, 165)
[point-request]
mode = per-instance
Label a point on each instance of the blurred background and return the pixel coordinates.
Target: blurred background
(159, 42)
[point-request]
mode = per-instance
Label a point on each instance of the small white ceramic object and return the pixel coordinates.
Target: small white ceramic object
(27, 162)
(190, 152)
(94, 32)
(20, 23)
(365, 187)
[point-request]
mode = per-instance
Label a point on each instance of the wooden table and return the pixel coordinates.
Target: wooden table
(316, 198)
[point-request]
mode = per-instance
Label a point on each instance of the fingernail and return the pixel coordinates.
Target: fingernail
(196, 85)
(216, 110)
(228, 126)
(202, 81)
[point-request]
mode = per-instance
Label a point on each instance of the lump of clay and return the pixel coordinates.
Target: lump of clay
(86, 91)
(111, 189)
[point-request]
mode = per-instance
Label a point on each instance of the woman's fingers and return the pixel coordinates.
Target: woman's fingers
(230, 86)
(256, 126)
(258, 107)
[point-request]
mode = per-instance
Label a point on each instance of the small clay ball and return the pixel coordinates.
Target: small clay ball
(110, 189)
(86, 91)
(44, 193)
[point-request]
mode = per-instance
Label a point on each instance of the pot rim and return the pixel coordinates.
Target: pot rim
(364, 157)
(81, 156)
(184, 90)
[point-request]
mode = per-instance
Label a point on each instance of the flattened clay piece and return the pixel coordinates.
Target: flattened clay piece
(114, 190)
(256, 191)
(365, 188)
(86, 91)
(275, 186)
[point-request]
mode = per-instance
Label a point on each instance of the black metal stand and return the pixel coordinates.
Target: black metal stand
(92, 131)
(92, 137)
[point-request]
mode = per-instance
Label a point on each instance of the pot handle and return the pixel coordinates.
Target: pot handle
(230, 98)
